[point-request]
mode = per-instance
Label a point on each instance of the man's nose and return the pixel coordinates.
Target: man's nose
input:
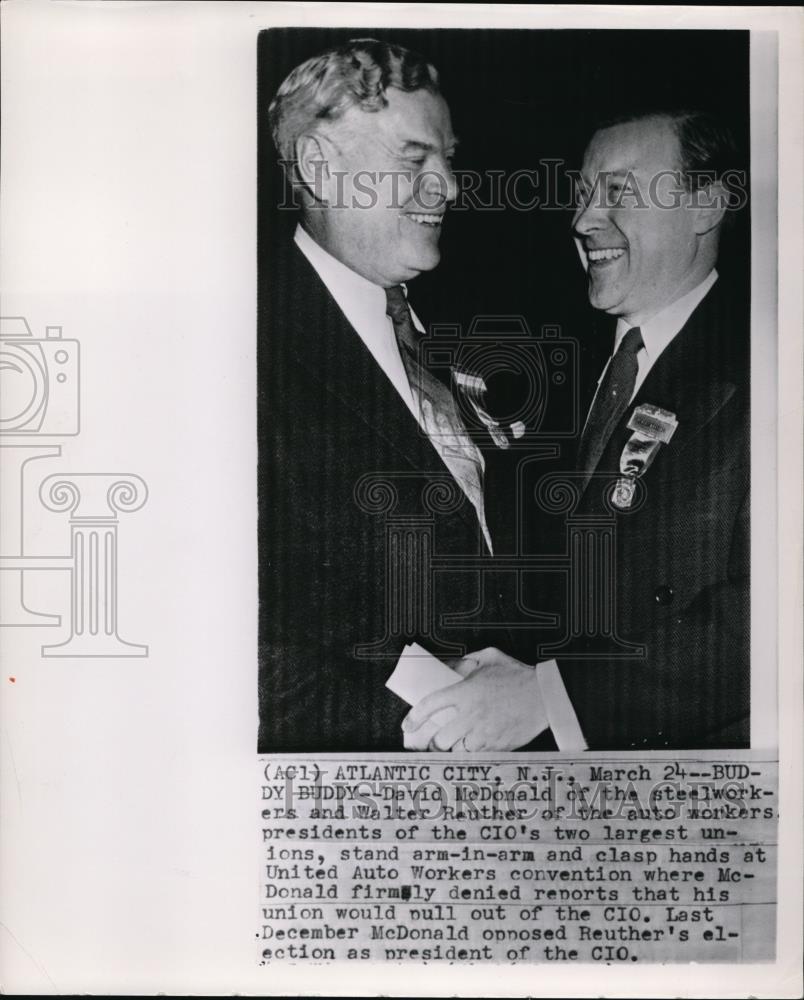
(438, 185)
(452, 184)
(589, 216)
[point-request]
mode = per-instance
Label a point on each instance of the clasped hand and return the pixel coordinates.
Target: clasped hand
(497, 706)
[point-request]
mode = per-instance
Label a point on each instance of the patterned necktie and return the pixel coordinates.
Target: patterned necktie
(611, 402)
(437, 411)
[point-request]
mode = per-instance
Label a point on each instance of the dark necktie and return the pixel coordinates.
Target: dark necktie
(437, 411)
(611, 402)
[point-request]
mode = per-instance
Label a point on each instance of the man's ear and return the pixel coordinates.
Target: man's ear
(312, 166)
(709, 205)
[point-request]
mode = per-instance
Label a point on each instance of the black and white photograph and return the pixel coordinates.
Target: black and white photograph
(401, 499)
(505, 389)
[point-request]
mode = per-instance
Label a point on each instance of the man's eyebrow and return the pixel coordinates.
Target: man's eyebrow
(607, 174)
(616, 174)
(409, 145)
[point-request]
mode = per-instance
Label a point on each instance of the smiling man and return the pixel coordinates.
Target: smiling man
(648, 228)
(644, 238)
(354, 431)
(656, 652)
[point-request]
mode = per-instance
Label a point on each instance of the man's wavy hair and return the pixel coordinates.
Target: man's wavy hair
(356, 74)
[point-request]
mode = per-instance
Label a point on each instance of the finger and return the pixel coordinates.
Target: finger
(474, 742)
(472, 739)
(418, 740)
(423, 709)
(450, 734)
(467, 666)
(488, 655)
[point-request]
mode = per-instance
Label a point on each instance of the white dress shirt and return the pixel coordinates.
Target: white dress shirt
(661, 329)
(364, 305)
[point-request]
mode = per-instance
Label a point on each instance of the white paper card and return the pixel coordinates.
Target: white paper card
(417, 674)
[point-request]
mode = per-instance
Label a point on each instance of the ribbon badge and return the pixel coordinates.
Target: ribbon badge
(474, 389)
(652, 427)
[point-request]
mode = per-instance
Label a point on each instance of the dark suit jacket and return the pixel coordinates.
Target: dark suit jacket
(682, 557)
(329, 418)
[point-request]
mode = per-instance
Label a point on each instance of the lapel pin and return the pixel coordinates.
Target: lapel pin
(474, 389)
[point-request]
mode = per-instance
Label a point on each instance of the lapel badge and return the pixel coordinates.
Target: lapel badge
(652, 427)
(653, 423)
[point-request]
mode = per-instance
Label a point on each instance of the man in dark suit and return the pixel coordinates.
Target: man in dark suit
(656, 652)
(365, 469)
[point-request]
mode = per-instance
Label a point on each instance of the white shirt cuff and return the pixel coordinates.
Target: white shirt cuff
(561, 715)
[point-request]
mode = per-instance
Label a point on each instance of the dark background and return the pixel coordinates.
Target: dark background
(517, 97)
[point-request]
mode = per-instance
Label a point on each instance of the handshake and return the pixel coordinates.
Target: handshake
(486, 701)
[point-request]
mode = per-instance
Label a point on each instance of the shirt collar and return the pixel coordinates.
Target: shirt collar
(360, 300)
(659, 330)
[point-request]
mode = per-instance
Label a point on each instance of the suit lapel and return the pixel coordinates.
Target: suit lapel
(694, 377)
(334, 355)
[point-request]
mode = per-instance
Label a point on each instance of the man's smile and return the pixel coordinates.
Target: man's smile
(604, 255)
(433, 219)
